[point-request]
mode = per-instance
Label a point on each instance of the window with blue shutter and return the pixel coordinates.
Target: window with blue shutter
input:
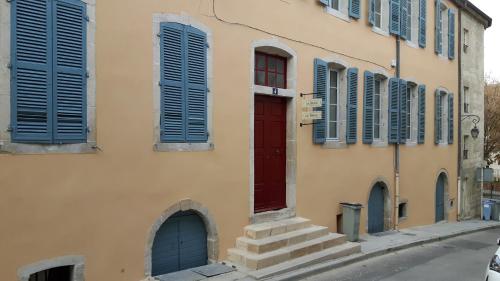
(393, 130)
(404, 19)
(438, 117)
(355, 8)
(403, 108)
(421, 114)
(438, 34)
(352, 105)
(450, 118)
(395, 17)
(49, 72)
(183, 81)
(371, 12)
(368, 107)
(422, 23)
(320, 89)
(451, 34)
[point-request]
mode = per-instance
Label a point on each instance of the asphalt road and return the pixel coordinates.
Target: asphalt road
(463, 258)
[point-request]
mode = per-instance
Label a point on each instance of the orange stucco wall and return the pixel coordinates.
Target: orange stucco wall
(102, 205)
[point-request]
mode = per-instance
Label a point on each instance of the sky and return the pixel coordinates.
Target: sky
(491, 37)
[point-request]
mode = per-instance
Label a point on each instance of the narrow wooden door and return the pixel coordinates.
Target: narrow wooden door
(440, 199)
(270, 153)
(376, 209)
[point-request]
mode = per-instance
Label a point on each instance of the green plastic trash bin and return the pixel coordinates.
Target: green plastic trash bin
(350, 220)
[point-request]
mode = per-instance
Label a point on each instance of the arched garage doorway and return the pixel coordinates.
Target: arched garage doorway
(379, 208)
(186, 227)
(441, 196)
(180, 243)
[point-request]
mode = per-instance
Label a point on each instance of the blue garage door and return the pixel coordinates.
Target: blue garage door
(180, 243)
(440, 198)
(376, 209)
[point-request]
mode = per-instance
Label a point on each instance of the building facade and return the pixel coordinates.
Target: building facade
(472, 109)
(127, 126)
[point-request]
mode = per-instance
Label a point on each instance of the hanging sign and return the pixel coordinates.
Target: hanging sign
(311, 103)
(311, 115)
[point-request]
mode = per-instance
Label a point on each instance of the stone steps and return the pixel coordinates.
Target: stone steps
(267, 229)
(329, 254)
(282, 240)
(295, 240)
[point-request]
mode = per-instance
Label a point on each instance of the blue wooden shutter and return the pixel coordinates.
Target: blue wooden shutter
(421, 114)
(172, 82)
(196, 86)
(450, 118)
(324, 2)
(371, 12)
(422, 23)
(437, 117)
(31, 83)
(404, 18)
(395, 14)
(70, 71)
(393, 130)
(438, 34)
(355, 9)
(352, 105)
(403, 120)
(451, 34)
(320, 78)
(368, 107)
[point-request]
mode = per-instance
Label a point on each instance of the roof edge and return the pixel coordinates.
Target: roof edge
(475, 11)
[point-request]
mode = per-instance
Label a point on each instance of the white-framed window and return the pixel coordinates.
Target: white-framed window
(409, 112)
(333, 111)
(334, 4)
(466, 100)
(378, 13)
(338, 8)
(409, 21)
(377, 110)
(466, 40)
(466, 147)
(443, 119)
(43, 112)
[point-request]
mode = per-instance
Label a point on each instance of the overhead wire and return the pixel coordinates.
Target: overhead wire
(219, 18)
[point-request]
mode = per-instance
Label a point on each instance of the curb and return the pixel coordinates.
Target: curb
(326, 266)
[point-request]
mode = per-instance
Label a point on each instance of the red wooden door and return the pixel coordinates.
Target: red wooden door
(270, 153)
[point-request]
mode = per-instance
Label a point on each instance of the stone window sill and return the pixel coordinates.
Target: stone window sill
(380, 31)
(337, 14)
(379, 143)
(411, 143)
(183, 147)
(412, 44)
(334, 144)
(21, 148)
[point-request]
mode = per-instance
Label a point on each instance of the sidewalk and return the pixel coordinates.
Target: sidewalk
(374, 245)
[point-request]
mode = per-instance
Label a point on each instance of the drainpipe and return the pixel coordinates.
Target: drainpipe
(459, 164)
(396, 147)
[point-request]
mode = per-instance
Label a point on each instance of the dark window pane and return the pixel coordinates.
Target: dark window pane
(280, 65)
(260, 62)
(271, 64)
(260, 77)
(271, 80)
(280, 83)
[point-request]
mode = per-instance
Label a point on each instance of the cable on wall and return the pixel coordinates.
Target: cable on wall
(291, 39)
